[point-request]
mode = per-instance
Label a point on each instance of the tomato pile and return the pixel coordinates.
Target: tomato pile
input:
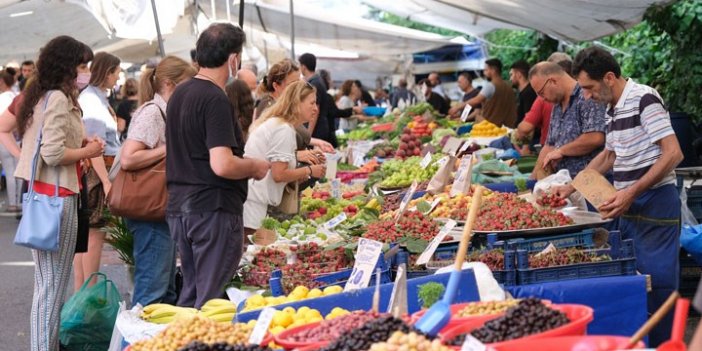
(550, 200)
(312, 261)
(564, 257)
(413, 225)
(265, 261)
(505, 211)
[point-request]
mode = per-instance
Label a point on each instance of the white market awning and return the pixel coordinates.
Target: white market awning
(570, 20)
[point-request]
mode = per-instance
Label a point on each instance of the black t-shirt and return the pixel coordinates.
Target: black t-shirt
(124, 110)
(473, 93)
(199, 119)
(438, 103)
(526, 99)
(321, 129)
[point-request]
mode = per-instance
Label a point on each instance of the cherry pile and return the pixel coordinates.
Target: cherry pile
(265, 261)
(199, 346)
(529, 317)
(551, 200)
(362, 338)
(563, 257)
(413, 225)
(505, 211)
(334, 328)
(391, 202)
(495, 259)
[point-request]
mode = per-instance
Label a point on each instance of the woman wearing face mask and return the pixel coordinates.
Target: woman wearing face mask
(273, 138)
(154, 249)
(100, 122)
(50, 105)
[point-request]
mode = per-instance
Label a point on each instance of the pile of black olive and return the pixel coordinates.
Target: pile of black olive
(529, 317)
(221, 346)
(362, 338)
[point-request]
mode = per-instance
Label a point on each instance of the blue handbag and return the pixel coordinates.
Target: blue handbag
(40, 225)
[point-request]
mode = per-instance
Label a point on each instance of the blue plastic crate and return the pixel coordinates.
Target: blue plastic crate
(694, 201)
(374, 111)
(466, 128)
(582, 239)
(623, 263)
(362, 299)
(509, 187)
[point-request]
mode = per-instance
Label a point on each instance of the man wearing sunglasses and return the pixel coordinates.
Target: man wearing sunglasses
(576, 131)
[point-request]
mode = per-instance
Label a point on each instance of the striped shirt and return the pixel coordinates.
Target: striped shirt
(634, 126)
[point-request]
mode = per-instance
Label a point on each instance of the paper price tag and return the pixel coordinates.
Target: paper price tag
(429, 251)
(262, 325)
(336, 188)
(393, 295)
(425, 161)
(335, 221)
(465, 146)
(434, 203)
(442, 161)
(366, 258)
(473, 344)
(405, 200)
(463, 174)
(331, 166)
(466, 112)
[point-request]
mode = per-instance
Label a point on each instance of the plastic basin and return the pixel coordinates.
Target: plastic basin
(580, 316)
(374, 111)
(283, 338)
(455, 321)
(569, 343)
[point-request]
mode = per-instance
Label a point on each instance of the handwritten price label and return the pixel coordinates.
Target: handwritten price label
(431, 248)
(466, 112)
(366, 258)
(442, 161)
(405, 200)
(463, 176)
(335, 221)
(425, 161)
(262, 325)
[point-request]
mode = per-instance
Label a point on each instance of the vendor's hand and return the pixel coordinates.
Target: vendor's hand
(322, 145)
(563, 191)
(552, 158)
(453, 111)
(259, 168)
(617, 205)
(312, 157)
(318, 171)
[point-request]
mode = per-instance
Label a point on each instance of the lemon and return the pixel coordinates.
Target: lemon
(282, 319)
(281, 300)
(270, 300)
(297, 323)
(303, 310)
(289, 310)
(312, 314)
(276, 330)
(314, 293)
(255, 300)
(251, 323)
(300, 291)
(334, 289)
(314, 320)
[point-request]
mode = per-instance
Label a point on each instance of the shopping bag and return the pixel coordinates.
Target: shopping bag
(691, 232)
(88, 318)
(562, 177)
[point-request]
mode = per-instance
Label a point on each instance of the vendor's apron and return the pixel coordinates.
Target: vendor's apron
(653, 221)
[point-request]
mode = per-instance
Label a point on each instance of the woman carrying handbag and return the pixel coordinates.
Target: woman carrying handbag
(49, 118)
(154, 249)
(272, 138)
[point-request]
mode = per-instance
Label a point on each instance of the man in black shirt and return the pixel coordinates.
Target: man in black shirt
(205, 169)
(518, 74)
(435, 100)
(321, 128)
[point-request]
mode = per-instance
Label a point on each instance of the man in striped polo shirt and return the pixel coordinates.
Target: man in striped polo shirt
(642, 150)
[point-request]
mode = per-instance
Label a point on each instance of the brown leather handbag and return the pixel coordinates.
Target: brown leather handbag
(141, 194)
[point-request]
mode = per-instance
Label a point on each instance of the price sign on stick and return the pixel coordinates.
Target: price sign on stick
(335, 221)
(405, 200)
(367, 256)
(262, 325)
(466, 112)
(463, 176)
(442, 161)
(473, 344)
(425, 161)
(434, 203)
(429, 251)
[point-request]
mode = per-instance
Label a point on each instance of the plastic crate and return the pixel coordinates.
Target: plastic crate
(507, 277)
(509, 187)
(582, 239)
(623, 263)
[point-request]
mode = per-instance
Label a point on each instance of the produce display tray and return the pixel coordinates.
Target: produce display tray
(625, 266)
(583, 220)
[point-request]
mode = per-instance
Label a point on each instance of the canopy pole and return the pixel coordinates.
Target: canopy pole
(241, 14)
(214, 10)
(229, 12)
(292, 31)
(162, 52)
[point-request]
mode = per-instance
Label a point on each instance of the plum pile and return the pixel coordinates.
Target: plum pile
(529, 317)
(335, 328)
(199, 346)
(378, 330)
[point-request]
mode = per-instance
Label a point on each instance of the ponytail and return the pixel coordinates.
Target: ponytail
(146, 86)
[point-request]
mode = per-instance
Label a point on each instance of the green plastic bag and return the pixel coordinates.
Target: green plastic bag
(482, 173)
(88, 318)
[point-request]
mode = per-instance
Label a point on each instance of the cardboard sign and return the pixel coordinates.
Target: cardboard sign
(429, 251)
(463, 179)
(466, 112)
(425, 161)
(594, 187)
(452, 145)
(262, 325)
(366, 257)
(405, 200)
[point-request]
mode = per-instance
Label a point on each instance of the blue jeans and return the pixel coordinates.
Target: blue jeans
(154, 263)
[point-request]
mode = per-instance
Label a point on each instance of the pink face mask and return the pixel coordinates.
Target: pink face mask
(82, 80)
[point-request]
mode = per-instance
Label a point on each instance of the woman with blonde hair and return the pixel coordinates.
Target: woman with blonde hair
(272, 137)
(154, 249)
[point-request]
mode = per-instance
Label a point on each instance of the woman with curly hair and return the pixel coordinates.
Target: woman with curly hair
(50, 107)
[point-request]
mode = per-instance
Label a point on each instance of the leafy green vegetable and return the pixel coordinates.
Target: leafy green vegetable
(270, 223)
(430, 293)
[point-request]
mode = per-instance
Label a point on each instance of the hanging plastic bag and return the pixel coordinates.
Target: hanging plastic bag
(691, 232)
(88, 318)
(687, 218)
(562, 177)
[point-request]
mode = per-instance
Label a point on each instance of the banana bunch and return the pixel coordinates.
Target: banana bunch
(218, 310)
(374, 204)
(162, 313)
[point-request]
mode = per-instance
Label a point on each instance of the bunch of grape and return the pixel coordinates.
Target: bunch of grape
(198, 346)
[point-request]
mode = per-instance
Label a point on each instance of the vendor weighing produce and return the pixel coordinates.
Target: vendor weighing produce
(642, 150)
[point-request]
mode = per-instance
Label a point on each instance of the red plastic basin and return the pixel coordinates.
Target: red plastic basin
(579, 315)
(283, 338)
(455, 321)
(569, 343)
